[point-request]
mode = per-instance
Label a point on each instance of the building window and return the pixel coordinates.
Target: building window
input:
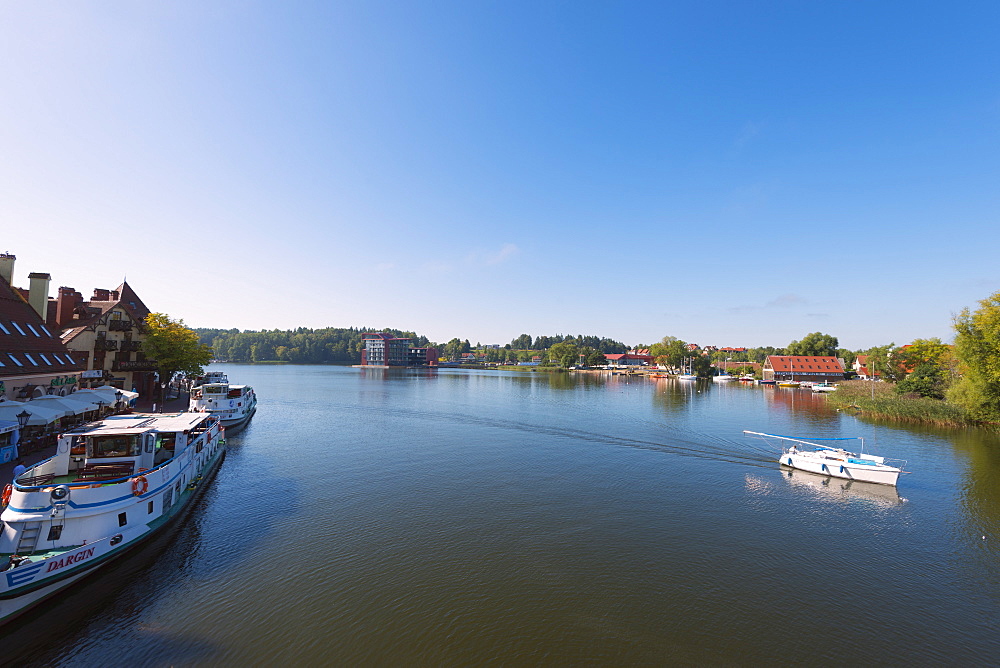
(18, 328)
(58, 359)
(33, 330)
(30, 359)
(47, 331)
(14, 359)
(45, 359)
(5, 330)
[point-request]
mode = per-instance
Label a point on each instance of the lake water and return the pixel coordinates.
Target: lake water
(368, 517)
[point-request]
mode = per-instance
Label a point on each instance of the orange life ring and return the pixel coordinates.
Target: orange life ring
(7, 491)
(139, 485)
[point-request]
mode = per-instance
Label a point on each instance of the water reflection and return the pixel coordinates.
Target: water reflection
(673, 396)
(836, 490)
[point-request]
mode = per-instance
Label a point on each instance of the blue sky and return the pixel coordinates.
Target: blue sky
(733, 174)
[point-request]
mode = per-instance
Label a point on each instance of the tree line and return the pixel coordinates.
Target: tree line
(301, 346)
(344, 345)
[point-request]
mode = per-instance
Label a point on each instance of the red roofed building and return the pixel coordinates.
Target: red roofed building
(802, 368)
(33, 362)
(861, 367)
(631, 358)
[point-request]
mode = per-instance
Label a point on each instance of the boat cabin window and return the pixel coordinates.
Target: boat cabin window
(215, 389)
(167, 442)
(115, 445)
(233, 394)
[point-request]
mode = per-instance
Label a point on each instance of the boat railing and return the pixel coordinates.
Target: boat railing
(44, 468)
(895, 463)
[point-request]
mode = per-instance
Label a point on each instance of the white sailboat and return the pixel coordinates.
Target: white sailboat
(688, 375)
(836, 462)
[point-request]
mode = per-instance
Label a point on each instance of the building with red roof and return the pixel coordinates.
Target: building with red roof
(807, 368)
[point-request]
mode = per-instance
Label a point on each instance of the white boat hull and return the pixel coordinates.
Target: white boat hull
(46, 573)
(846, 468)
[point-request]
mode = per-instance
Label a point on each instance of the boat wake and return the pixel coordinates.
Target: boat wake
(689, 444)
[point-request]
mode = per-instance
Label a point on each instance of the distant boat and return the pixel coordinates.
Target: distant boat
(823, 387)
(688, 375)
(722, 377)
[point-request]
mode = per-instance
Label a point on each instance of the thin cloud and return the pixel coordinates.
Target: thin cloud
(785, 301)
(506, 251)
(781, 302)
(488, 259)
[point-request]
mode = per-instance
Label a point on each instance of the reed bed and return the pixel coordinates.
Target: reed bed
(880, 400)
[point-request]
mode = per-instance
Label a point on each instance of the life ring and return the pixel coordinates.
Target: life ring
(139, 485)
(7, 491)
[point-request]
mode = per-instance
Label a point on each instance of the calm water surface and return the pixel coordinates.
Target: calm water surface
(454, 518)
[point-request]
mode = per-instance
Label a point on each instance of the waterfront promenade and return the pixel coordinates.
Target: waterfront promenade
(142, 405)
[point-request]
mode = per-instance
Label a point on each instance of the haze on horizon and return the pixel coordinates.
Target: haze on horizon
(733, 174)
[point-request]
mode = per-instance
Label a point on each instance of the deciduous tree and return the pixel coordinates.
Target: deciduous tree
(977, 347)
(174, 347)
(816, 344)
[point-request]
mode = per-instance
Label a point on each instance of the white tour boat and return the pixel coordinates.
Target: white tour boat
(836, 462)
(111, 485)
(233, 404)
(824, 387)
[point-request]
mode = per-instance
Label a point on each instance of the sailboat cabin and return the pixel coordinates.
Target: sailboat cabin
(802, 368)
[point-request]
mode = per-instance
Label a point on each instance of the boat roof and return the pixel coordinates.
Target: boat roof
(141, 423)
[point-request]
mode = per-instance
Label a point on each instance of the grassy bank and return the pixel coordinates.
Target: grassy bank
(881, 401)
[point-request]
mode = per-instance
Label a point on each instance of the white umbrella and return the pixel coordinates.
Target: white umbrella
(72, 407)
(39, 415)
(127, 393)
(93, 396)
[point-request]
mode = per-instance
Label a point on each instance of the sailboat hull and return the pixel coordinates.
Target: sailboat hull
(846, 468)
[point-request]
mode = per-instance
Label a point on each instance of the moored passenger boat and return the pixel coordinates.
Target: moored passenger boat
(111, 485)
(233, 404)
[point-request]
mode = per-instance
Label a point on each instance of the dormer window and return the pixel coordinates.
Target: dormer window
(4, 329)
(45, 359)
(14, 359)
(30, 359)
(44, 329)
(33, 330)
(57, 358)
(18, 328)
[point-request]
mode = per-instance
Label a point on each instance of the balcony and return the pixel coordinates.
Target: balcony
(137, 365)
(120, 325)
(130, 346)
(105, 344)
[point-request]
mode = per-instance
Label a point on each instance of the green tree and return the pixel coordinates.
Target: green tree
(174, 347)
(883, 362)
(816, 344)
(926, 351)
(596, 358)
(848, 356)
(927, 380)
(670, 352)
(977, 347)
(566, 354)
